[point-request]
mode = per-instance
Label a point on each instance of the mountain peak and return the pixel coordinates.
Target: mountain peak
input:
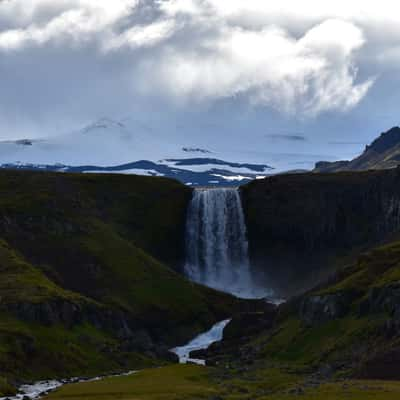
(382, 153)
(386, 140)
(101, 124)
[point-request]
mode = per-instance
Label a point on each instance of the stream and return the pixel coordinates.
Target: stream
(39, 389)
(201, 342)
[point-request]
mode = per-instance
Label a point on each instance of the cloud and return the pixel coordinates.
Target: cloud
(308, 75)
(287, 136)
(300, 58)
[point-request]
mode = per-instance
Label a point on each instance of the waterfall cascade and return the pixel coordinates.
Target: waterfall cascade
(216, 243)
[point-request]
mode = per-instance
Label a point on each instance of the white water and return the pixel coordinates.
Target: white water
(39, 389)
(201, 342)
(216, 243)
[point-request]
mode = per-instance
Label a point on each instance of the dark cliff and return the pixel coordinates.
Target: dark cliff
(302, 226)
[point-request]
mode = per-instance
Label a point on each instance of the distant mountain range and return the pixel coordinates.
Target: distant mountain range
(109, 146)
(382, 153)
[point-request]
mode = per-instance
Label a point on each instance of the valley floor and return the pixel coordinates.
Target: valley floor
(184, 382)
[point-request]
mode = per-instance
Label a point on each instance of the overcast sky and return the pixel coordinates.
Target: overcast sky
(292, 76)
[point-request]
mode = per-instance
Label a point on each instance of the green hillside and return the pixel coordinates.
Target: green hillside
(86, 278)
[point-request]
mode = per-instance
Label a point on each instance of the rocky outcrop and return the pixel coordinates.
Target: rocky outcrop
(240, 329)
(317, 309)
(301, 226)
(384, 300)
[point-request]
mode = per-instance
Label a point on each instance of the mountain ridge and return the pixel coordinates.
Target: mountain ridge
(382, 153)
(117, 147)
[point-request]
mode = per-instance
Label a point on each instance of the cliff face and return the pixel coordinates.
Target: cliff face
(302, 226)
(382, 153)
(86, 284)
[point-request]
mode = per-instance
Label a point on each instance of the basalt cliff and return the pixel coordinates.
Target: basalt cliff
(302, 227)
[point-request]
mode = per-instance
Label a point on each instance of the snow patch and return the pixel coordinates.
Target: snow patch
(145, 172)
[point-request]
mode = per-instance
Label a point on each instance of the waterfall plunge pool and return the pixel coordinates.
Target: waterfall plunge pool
(201, 342)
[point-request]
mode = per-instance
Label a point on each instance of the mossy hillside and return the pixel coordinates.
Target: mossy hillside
(64, 239)
(337, 343)
(104, 236)
(329, 342)
(21, 282)
(374, 269)
(349, 341)
(155, 296)
(150, 211)
(30, 352)
(190, 382)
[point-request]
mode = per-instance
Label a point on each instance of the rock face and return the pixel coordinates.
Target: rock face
(382, 153)
(384, 300)
(240, 329)
(318, 309)
(300, 225)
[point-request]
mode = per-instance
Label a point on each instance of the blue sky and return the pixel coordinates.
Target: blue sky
(299, 78)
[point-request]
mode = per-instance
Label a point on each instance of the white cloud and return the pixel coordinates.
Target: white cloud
(298, 57)
(311, 74)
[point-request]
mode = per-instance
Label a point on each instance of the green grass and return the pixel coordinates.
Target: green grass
(102, 242)
(193, 382)
(377, 268)
(176, 382)
(34, 352)
(21, 282)
(351, 390)
(310, 346)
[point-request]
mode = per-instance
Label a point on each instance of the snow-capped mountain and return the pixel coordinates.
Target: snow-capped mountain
(109, 146)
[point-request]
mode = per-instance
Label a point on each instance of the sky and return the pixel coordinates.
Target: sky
(304, 79)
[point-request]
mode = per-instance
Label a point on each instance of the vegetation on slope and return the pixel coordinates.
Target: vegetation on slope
(84, 282)
(340, 340)
(350, 325)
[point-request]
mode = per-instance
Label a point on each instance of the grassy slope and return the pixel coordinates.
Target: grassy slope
(340, 338)
(94, 241)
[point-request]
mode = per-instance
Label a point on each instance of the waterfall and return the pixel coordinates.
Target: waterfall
(216, 243)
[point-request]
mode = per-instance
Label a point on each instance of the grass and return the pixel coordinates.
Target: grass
(20, 281)
(176, 382)
(351, 390)
(375, 269)
(103, 242)
(312, 345)
(184, 382)
(33, 352)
